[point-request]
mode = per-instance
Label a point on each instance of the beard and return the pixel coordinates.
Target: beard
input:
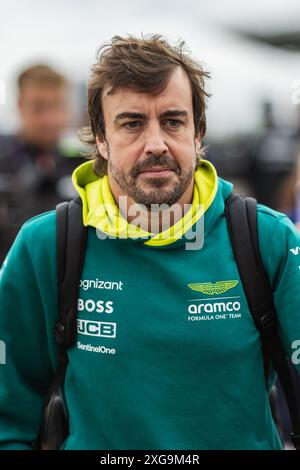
(154, 190)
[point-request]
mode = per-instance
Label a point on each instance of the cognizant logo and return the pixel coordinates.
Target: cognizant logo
(86, 284)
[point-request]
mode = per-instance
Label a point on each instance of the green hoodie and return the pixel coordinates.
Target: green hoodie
(167, 355)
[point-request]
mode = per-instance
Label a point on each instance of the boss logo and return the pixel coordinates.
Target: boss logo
(98, 306)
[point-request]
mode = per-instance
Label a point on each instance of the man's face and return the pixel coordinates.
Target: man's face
(150, 142)
(44, 112)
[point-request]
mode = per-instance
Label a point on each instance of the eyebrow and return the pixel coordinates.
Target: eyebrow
(168, 113)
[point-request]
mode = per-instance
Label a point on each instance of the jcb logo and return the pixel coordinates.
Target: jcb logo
(96, 328)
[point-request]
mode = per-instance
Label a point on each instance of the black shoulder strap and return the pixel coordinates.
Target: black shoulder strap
(241, 217)
(71, 241)
(70, 245)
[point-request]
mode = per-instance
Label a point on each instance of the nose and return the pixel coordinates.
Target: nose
(155, 140)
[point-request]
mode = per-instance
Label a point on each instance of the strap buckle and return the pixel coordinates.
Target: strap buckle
(266, 323)
(65, 331)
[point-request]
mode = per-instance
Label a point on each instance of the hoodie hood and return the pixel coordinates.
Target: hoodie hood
(101, 211)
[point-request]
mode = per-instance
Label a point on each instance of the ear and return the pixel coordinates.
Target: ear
(102, 146)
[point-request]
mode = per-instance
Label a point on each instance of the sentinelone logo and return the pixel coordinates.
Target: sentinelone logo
(97, 349)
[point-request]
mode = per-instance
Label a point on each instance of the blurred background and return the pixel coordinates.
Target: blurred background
(252, 50)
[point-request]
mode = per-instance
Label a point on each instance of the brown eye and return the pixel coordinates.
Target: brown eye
(132, 124)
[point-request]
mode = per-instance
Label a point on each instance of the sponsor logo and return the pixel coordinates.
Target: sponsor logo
(295, 250)
(217, 307)
(86, 284)
(211, 288)
(218, 316)
(214, 310)
(97, 349)
(96, 328)
(98, 306)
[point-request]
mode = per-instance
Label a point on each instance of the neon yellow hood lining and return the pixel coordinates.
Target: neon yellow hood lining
(101, 211)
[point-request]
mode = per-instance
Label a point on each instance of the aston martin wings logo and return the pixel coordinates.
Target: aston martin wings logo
(211, 288)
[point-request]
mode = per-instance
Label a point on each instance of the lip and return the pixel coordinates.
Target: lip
(157, 172)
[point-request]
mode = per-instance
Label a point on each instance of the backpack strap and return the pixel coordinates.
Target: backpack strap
(70, 244)
(241, 217)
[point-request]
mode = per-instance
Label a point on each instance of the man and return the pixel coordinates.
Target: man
(164, 357)
(272, 158)
(32, 165)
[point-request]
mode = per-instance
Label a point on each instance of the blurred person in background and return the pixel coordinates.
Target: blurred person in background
(272, 158)
(34, 172)
(289, 194)
(289, 190)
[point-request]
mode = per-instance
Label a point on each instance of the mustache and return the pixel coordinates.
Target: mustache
(153, 161)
